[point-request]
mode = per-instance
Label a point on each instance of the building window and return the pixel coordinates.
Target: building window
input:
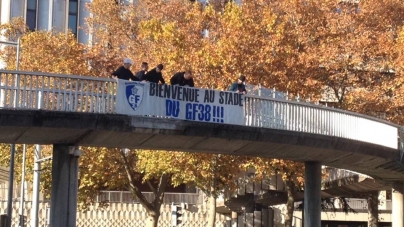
(73, 16)
(31, 17)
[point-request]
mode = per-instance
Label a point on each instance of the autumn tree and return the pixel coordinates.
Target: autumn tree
(211, 173)
(40, 51)
(45, 51)
(343, 47)
(127, 170)
(292, 174)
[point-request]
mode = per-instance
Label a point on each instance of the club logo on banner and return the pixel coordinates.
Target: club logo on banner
(134, 94)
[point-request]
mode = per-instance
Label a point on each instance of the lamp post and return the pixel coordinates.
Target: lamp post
(12, 157)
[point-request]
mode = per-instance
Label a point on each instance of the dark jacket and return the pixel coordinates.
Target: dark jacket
(141, 75)
(154, 76)
(236, 87)
(124, 74)
(179, 79)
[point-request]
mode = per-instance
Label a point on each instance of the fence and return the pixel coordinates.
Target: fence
(169, 198)
(57, 92)
(122, 215)
(362, 204)
(28, 90)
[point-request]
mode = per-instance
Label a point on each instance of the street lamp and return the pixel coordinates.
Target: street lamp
(12, 157)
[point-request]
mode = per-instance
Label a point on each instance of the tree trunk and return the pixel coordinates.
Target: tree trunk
(152, 208)
(212, 211)
(290, 203)
(152, 219)
(373, 212)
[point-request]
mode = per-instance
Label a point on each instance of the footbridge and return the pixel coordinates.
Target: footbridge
(70, 111)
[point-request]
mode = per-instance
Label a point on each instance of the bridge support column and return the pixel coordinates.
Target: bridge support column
(64, 186)
(397, 212)
(312, 194)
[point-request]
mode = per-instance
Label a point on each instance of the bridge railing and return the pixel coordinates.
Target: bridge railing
(26, 90)
(126, 197)
(30, 90)
(316, 119)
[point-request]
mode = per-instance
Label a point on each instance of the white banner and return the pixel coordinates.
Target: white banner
(185, 103)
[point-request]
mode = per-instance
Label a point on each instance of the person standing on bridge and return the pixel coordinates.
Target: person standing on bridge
(183, 79)
(142, 73)
(124, 72)
(155, 75)
(239, 86)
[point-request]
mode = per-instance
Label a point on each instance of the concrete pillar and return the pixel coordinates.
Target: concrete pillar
(82, 33)
(312, 194)
(18, 8)
(64, 186)
(397, 205)
(44, 15)
(5, 13)
(59, 18)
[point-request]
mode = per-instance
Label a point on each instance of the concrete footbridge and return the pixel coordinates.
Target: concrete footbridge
(70, 111)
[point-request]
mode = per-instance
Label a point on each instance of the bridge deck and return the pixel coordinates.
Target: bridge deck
(112, 130)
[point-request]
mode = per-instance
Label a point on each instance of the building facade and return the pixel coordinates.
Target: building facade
(60, 15)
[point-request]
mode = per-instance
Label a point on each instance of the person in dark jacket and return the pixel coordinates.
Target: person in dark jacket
(155, 75)
(239, 86)
(124, 72)
(183, 79)
(142, 73)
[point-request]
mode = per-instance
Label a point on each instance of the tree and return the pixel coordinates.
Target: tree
(40, 51)
(45, 51)
(292, 174)
(126, 170)
(114, 169)
(211, 173)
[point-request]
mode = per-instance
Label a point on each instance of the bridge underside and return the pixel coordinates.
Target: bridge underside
(112, 130)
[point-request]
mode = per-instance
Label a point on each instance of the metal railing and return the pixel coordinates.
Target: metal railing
(30, 90)
(362, 204)
(169, 198)
(27, 90)
(316, 119)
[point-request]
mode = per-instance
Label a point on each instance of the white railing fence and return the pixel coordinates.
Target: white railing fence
(316, 119)
(55, 92)
(30, 90)
(169, 198)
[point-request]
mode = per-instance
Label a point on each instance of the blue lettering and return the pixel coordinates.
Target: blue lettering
(168, 107)
(188, 111)
(172, 108)
(201, 111)
(208, 108)
(194, 110)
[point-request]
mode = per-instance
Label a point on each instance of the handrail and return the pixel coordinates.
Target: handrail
(325, 108)
(58, 75)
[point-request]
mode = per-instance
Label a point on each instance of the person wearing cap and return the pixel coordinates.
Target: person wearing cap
(183, 79)
(142, 73)
(155, 75)
(239, 86)
(124, 72)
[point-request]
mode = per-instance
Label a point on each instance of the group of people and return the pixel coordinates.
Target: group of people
(155, 76)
